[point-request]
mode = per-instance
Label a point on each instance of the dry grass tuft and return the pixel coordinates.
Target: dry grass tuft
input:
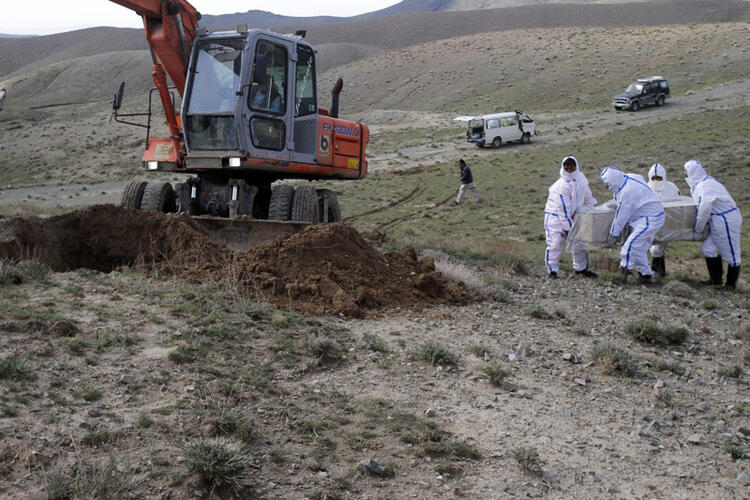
(611, 358)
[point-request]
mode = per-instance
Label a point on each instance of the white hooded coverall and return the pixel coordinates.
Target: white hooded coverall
(638, 208)
(664, 190)
(566, 196)
(717, 208)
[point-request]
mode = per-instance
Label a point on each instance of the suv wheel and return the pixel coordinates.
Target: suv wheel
(525, 138)
(634, 106)
(660, 101)
(496, 142)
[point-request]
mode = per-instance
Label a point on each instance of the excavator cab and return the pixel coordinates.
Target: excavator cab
(254, 97)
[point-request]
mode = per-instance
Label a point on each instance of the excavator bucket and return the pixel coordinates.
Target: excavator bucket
(242, 233)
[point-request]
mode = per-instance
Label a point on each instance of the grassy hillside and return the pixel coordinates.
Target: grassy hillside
(542, 69)
(55, 126)
(414, 206)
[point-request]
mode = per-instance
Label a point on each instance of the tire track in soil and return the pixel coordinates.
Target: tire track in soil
(382, 228)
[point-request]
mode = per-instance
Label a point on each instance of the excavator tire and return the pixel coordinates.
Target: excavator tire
(305, 205)
(133, 194)
(159, 197)
(328, 206)
(280, 206)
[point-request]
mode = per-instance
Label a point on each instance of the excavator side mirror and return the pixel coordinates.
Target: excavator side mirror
(117, 101)
(260, 68)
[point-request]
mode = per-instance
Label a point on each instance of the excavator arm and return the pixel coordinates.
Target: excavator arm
(171, 27)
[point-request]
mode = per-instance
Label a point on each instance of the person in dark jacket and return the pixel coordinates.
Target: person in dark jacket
(467, 182)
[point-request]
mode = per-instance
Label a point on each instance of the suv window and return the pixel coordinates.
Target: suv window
(634, 88)
(663, 84)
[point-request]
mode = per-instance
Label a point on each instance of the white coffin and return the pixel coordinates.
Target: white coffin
(592, 224)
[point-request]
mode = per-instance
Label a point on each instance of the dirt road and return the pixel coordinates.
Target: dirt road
(554, 128)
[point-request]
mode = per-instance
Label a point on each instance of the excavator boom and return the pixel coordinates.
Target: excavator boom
(171, 27)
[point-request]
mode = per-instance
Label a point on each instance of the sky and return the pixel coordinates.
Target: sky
(44, 17)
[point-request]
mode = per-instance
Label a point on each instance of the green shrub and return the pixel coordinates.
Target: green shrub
(611, 358)
(220, 464)
(496, 373)
(433, 353)
(648, 331)
(529, 461)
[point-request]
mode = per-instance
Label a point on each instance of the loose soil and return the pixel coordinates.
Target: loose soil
(327, 268)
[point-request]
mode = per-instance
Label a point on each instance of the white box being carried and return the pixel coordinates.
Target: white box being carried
(592, 224)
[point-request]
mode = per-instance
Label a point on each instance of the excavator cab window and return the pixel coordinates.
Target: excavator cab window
(269, 95)
(305, 101)
(217, 76)
(209, 117)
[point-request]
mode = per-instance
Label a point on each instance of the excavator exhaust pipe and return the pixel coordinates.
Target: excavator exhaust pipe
(335, 97)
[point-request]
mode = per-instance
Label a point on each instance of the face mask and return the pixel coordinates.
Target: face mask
(612, 188)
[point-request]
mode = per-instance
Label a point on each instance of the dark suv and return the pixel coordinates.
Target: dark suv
(643, 91)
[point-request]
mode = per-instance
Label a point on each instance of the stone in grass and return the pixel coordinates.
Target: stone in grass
(370, 467)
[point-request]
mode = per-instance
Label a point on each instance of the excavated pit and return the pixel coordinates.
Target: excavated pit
(323, 269)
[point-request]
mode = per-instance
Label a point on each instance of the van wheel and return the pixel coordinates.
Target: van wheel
(634, 106)
(525, 138)
(496, 142)
(660, 101)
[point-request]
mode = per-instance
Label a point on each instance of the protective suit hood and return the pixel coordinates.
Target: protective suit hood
(613, 177)
(569, 176)
(695, 173)
(658, 170)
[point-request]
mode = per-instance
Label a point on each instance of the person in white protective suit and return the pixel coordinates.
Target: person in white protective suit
(638, 208)
(665, 190)
(2, 98)
(717, 208)
(566, 196)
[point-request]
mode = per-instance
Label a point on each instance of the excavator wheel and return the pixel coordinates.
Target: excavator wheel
(280, 206)
(305, 205)
(159, 197)
(328, 206)
(133, 194)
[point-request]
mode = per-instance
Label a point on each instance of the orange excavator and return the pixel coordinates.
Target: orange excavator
(248, 117)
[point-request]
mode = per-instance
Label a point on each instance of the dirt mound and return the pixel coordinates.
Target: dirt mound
(327, 268)
(104, 237)
(331, 268)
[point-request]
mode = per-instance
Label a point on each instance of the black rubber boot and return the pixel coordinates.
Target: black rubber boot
(625, 272)
(715, 272)
(658, 266)
(644, 279)
(733, 273)
(586, 273)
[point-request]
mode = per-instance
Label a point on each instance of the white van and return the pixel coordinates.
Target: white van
(498, 128)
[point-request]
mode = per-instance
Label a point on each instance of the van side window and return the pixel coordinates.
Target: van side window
(509, 121)
(494, 123)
